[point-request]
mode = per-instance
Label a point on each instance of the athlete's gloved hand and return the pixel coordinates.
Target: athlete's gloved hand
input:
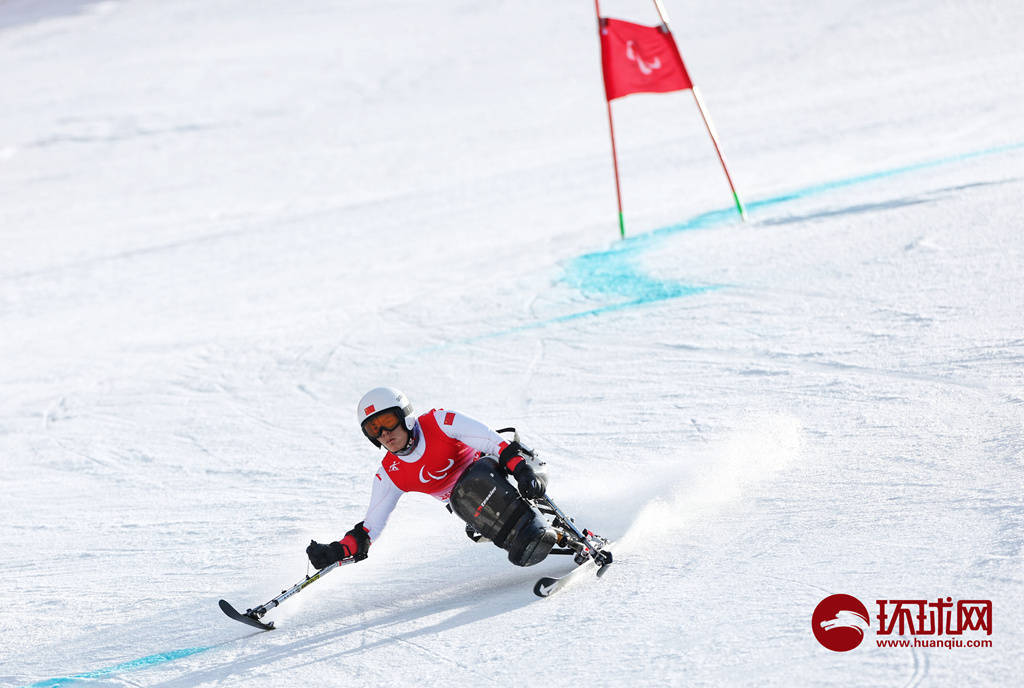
(354, 545)
(321, 555)
(521, 463)
(532, 485)
(511, 456)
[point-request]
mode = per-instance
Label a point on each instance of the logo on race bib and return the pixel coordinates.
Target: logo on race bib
(432, 476)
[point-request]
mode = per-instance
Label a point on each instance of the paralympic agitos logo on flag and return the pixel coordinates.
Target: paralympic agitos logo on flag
(840, 622)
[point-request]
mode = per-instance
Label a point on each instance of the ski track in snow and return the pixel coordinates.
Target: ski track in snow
(223, 224)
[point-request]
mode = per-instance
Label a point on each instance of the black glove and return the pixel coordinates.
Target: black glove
(531, 485)
(324, 555)
(525, 468)
(355, 544)
(512, 454)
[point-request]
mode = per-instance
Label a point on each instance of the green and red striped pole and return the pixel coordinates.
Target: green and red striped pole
(707, 120)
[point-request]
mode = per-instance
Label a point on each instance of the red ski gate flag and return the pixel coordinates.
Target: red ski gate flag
(640, 59)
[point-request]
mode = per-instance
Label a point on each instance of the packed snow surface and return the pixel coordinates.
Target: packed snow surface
(221, 222)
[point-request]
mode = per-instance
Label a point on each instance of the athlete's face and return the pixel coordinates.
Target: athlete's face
(388, 428)
(395, 439)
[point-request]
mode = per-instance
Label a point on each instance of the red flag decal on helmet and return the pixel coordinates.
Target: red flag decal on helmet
(368, 410)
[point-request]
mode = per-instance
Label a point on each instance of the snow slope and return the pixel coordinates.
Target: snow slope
(223, 221)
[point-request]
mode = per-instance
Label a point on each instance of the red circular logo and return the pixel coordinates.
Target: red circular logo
(839, 622)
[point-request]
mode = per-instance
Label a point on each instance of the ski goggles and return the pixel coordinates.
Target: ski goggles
(386, 421)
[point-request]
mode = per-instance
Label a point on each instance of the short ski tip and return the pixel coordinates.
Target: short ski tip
(247, 619)
(544, 587)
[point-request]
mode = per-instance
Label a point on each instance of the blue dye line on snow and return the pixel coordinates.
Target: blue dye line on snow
(724, 216)
(617, 272)
(132, 665)
(875, 176)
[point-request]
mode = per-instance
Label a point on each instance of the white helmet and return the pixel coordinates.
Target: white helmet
(381, 399)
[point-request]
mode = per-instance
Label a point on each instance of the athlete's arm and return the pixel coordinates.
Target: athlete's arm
(383, 498)
(470, 432)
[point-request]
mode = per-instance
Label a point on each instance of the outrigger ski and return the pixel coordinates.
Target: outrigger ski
(252, 616)
(248, 618)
